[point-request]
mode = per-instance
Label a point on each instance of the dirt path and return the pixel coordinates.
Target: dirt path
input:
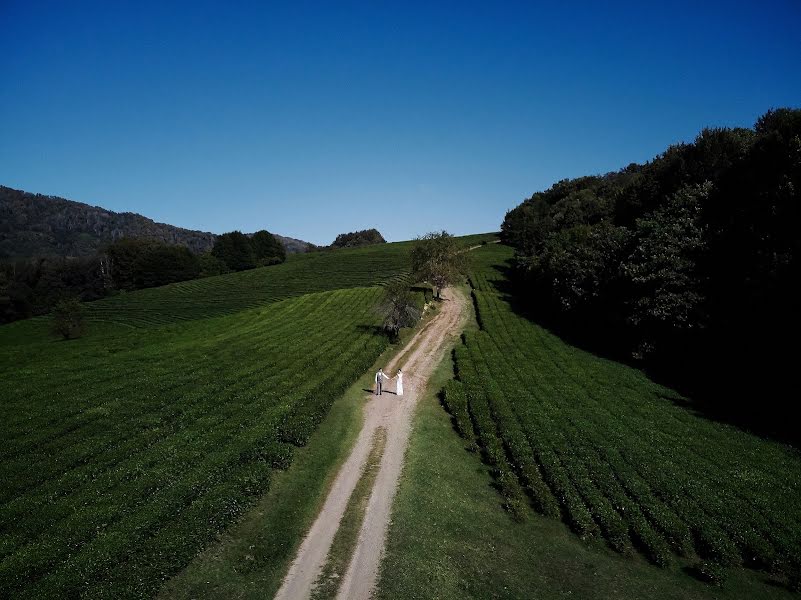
(421, 355)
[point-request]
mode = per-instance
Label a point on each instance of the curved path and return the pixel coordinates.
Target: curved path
(418, 359)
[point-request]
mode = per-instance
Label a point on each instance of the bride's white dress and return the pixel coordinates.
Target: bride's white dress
(399, 387)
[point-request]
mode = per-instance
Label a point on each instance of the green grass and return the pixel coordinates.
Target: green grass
(344, 543)
(450, 538)
(614, 455)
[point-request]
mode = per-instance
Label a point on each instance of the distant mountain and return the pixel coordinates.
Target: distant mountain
(37, 225)
(292, 245)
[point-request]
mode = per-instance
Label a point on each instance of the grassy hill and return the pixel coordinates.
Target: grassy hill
(124, 452)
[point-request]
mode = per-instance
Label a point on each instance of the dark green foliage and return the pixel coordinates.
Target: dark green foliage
(661, 270)
(455, 402)
(689, 262)
(135, 264)
(210, 265)
(163, 264)
(710, 572)
(34, 286)
(235, 250)
(68, 319)
(398, 308)
(267, 249)
(355, 239)
(438, 258)
(597, 443)
(125, 256)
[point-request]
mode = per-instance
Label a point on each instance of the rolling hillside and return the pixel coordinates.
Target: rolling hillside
(617, 457)
(124, 452)
(37, 225)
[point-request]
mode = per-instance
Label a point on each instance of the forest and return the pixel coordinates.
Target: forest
(30, 287)
(686, 265)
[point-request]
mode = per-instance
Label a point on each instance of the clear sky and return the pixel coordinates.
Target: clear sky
(311, 119)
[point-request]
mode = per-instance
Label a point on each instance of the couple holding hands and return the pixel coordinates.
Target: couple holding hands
(379, 382)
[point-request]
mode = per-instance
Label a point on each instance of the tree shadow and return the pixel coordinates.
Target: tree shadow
(703, 384)
(374, 329)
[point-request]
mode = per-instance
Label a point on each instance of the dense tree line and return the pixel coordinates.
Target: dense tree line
(354, 239)
(240, 252)
(31, 287)
(688, 263)
(34, 286)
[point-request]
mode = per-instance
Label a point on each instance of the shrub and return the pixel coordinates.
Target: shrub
(68, 319)
(710, 572)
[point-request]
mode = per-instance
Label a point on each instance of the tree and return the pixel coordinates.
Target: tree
(235, 250)
(267, 249)
(354, 239)
(694, 254)
(68, 320)
(398, 308)
(211, 265)
(139, 263)
(438, 260)
(124, 256)
(162, 264)
(665, 293)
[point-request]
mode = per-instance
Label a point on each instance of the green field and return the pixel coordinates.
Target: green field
(122, 456)
(450, 539)
(224, 294)
(126, 451)
(618, 458)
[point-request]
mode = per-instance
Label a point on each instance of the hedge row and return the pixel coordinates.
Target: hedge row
(617, 459)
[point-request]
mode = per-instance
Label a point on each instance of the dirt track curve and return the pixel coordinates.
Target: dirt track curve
(419, 357)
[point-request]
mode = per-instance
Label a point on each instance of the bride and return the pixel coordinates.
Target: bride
(399, 385)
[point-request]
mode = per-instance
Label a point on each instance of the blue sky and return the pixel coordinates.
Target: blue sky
(310, 119)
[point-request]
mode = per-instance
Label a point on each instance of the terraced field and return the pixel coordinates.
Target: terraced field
(597, 444)
(225, 294)
(120, 459)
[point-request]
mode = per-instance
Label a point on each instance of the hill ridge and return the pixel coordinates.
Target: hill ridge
(43, 225)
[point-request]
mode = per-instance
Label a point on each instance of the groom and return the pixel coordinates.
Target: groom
(379, 381)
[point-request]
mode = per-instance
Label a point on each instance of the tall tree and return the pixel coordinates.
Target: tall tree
(267, 248)
(666, 297)
(235, 250)
(438, 260)
(398, 308)
(68, 320)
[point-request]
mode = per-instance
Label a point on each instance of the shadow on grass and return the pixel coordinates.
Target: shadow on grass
(703, 385)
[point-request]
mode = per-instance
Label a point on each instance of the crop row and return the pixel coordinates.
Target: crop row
(225, 294)
(596, 443)
(146, 453)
